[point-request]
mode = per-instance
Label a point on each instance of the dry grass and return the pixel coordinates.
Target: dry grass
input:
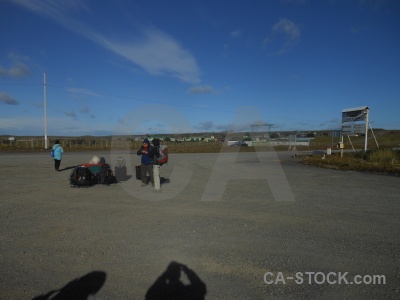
(379, 161)
(191, 147)
(384, 138)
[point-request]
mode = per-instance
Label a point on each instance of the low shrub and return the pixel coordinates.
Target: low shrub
(380, 161)
(383, 156)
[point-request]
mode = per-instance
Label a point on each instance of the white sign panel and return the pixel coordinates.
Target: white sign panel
(353, 129)
(354, 120)
(355, 114)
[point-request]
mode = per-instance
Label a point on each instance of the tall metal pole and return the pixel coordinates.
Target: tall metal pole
(366, 130)
(45, 117)
(341, 146)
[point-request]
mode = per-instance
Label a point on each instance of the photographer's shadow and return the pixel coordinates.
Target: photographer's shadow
(77, 289)
(170, 286)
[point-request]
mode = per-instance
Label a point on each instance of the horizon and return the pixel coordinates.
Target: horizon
(187, 133)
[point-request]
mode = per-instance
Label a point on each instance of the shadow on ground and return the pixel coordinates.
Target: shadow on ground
(168, 286)
(78, 289)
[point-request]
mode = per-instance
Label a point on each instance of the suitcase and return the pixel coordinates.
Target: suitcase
(120, 169)
(120, 173)
(138, 172)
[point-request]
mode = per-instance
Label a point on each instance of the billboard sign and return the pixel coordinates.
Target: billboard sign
(354, 114)
(353, 129)
(355, 121)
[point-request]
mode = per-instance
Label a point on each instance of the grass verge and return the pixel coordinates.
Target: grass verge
(379, 161)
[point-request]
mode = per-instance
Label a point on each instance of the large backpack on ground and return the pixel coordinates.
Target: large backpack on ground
(81, 176)
(106, 175)
(163, 152)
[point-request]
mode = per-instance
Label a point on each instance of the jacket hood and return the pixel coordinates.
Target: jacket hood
(146, 140)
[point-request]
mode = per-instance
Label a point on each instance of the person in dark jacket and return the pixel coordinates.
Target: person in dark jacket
(146, 162)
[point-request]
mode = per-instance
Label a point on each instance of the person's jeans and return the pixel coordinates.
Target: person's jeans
(147, 169)
(156, 175)
(57, 163)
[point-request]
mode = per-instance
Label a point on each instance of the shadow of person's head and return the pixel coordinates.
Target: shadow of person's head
(170, 286)
(173, 272)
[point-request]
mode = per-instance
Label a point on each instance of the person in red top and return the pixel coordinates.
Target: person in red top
(146, 166)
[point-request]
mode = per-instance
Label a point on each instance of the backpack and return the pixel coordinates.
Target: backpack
(52, 151)
(163, 152)
(81, 176)
(106, 175)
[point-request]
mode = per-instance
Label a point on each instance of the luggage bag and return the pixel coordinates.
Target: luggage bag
(138, 172)
(120, 169)
(120, 173)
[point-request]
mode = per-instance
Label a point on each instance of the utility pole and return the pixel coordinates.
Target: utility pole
(45, 113)
(341, 146)
(366, 111)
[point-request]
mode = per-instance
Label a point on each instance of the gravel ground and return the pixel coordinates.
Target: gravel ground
(230, 222)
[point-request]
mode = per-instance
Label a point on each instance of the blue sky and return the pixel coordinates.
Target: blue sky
(136, 67)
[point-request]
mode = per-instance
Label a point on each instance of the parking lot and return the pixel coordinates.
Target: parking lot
(233, 225)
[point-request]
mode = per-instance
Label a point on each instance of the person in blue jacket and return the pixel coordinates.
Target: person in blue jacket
(58, 152)
(146, 166)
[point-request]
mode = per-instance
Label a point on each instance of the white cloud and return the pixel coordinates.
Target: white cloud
(204, 89)
(206, 126)
(333, 123)
(54, 9)
(70, 114)
(236, 33)
(288, 27)
(7, 99)
(157, 52)
(17, 68)
(285, 32)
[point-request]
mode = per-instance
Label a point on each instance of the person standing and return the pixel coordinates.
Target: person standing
(156, 165)
(58, 152)
(146, 161)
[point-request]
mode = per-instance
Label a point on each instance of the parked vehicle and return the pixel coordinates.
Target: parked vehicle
(239, 144)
